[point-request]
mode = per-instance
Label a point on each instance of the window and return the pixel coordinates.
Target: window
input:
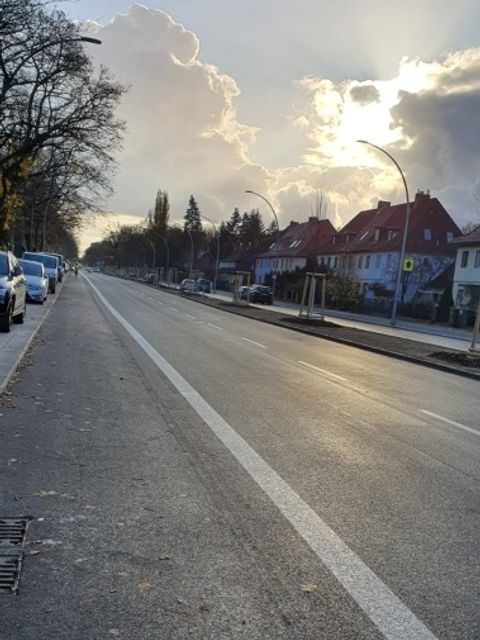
(389, 234)
(378, 261)
(464, 261)
(367, 262)
(449, 236)
(360, 262)
(328, 261)
(427, 234)
(477, 259)
(364, 235)
(335, 262)
(377, 235)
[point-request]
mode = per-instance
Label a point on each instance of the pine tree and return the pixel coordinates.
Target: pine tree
(193, 221)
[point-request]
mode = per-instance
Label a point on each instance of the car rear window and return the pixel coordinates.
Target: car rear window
(31, 268)
(48, 261)
(4, 270)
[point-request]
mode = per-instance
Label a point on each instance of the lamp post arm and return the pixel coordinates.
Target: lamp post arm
(398, 283)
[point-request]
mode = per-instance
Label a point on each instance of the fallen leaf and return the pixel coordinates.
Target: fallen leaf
(79, 560)
(34, 553)
(90, 507)
(308, 587)
(12, 461)
(52, 543)
(43, 493)
(164, 557)
(144, 587)
(114, 632)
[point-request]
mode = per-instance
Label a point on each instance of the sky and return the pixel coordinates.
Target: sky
(271, 96)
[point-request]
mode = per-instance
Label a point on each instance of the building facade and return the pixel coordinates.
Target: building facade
(466, 279)
(368, 247)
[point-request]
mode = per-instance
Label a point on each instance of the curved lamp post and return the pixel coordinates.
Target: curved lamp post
(398, 284)
(217, 259)
(277, 244)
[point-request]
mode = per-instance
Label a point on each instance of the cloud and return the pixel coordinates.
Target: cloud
(184, 134)
(365, 94)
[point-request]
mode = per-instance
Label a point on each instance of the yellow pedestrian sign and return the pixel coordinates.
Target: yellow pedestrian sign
(408, 263)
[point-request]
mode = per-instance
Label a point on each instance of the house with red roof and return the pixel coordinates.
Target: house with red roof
(298, 242)
(368, 247)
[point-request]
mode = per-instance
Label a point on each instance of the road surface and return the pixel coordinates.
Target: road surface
(198, 474)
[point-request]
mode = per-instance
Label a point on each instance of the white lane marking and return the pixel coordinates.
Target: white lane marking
(257, 344)
(459, 425)
(215, 326)
(192, 317)
(162, 303)
(382, 606)
(328, 373)
(174, 309)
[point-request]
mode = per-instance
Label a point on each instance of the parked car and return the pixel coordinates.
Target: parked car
(13, 291)
(204, 285)
(61, 264)
(188, 286)
(51, 267)
(244, 292)
(37, 280)
(261, 293)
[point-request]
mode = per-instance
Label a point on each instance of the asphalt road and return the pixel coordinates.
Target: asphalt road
(198, 474)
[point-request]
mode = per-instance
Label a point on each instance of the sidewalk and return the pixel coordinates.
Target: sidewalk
(445, 337)
(15, 344)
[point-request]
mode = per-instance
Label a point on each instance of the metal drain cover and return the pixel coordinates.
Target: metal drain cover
(13, 536)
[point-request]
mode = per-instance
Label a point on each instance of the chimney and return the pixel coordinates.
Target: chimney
(313, 219)
(421, 196)
(383, 204)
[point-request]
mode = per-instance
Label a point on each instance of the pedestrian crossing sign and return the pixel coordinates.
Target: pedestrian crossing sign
(408, 263)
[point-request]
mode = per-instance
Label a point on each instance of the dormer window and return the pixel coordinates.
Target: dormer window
(376, 237)
(427, 234)
(364, 235)
(449, 236)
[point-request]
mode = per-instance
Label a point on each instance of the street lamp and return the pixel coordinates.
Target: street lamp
(398, 284)
(277, 244)
(217, 259)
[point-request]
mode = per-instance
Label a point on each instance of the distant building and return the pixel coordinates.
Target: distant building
(368, 247)
(298, 242)
(466, 279)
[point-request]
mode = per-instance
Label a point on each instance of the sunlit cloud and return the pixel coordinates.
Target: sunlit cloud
(185, 136)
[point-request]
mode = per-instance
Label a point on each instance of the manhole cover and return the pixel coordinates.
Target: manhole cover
(9, 573)
(13, 532)
(13, 535)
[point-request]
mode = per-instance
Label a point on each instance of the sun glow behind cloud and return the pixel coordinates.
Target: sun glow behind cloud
(184, 133)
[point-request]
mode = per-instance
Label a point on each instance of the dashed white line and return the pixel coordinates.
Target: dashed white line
(191, 317)
(257, 344)
(162, 303)
(327, 373)
(215, 326)
(385, 609)
(459, 425)
(174, 309)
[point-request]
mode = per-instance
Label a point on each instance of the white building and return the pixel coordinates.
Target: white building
(466, 279)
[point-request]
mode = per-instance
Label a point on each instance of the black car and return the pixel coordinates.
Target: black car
(261, 293)
(13, 291)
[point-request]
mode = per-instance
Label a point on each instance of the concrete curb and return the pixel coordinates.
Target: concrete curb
(6, 381)
(432, 364)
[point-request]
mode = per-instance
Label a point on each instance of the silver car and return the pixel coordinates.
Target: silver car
(37, 280)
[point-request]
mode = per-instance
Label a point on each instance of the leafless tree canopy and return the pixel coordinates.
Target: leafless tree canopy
(57, 112)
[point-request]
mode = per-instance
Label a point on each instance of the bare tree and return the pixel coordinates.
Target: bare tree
(53, 104)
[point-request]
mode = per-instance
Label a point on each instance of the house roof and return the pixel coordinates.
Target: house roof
(381, 229)
(301, 239)
(470, 238)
